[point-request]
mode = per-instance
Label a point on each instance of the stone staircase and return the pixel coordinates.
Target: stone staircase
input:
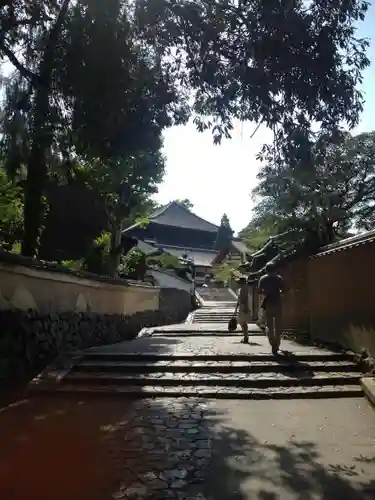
(212, 315)
(220, 295)
(198, 360)
(242, 377)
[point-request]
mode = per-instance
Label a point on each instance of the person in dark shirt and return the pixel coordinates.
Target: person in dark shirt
(271, 285)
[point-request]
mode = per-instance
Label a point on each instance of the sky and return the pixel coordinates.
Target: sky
(219, 179)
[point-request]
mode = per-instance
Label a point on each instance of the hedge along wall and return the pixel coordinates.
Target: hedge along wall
(45, 309)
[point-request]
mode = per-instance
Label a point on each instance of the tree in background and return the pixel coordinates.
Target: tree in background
(259, 230)
(164, 261)
(186, 203)
(134, 265)
(123, 187)
(224, 236)
(224, 272)
(70, 105)
(284, 64)
(239, 60)
(325, 196)
(10, 211)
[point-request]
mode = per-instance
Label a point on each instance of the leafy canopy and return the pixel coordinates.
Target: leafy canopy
(283, 63)
(259, 230)
(326, 193)
(67, 105)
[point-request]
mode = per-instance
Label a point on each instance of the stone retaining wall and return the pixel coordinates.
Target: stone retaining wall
(29, 340)
(177, 303)
(45, 311)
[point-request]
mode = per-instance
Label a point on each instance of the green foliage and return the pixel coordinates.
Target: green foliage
(164, 261)
(224, 235)
(134, 265)
(142, 222)
(224, 272)
(65, 103)
(282, 63)
(327, 194)
(259, 230)
(97, 259)
(186, 203)
(10, 211)
(75, 265)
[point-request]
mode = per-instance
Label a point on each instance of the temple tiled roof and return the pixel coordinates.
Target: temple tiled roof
(147, 248)
(199, 257)
(353, 241)
(176, 230)
(276, 249)
(176, 215)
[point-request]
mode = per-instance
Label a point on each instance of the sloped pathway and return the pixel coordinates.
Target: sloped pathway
(199, 362)
(79, 435)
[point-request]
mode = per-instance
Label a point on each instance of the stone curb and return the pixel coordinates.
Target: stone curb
(190, 317)
(368, 385)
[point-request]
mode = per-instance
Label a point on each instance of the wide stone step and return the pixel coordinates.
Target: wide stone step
(212, 316)
(188, 366)
(214, 392)
(202, 312)
(215, 295)
(217, 304)
(223, 308)
(210, 319)
(277, 379)
(204, 333)
(143, 357)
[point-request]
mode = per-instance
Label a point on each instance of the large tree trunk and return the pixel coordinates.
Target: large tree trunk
(34, 207)
(33, 202)
(115, 252)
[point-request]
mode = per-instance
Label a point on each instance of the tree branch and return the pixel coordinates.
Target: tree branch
(18, 65)
(256, 129)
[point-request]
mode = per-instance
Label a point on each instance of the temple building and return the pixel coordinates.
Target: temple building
(175, 230)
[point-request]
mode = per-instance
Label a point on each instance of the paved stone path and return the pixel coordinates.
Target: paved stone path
(84, 446)
(210, 344)
(101, 449)
(78, 449)
(175, 362)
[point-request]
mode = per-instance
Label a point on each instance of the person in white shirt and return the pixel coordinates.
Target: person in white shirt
(244, 316)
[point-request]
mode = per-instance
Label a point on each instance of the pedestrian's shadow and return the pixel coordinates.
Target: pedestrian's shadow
(293, 367)
(249, 343)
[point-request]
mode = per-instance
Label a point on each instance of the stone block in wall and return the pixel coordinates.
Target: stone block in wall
(175, 303)
(29, 340)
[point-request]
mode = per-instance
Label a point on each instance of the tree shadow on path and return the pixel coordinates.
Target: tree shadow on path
(244, 467)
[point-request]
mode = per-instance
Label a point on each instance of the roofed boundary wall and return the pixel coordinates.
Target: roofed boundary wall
(331, 294)
(46, 309)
